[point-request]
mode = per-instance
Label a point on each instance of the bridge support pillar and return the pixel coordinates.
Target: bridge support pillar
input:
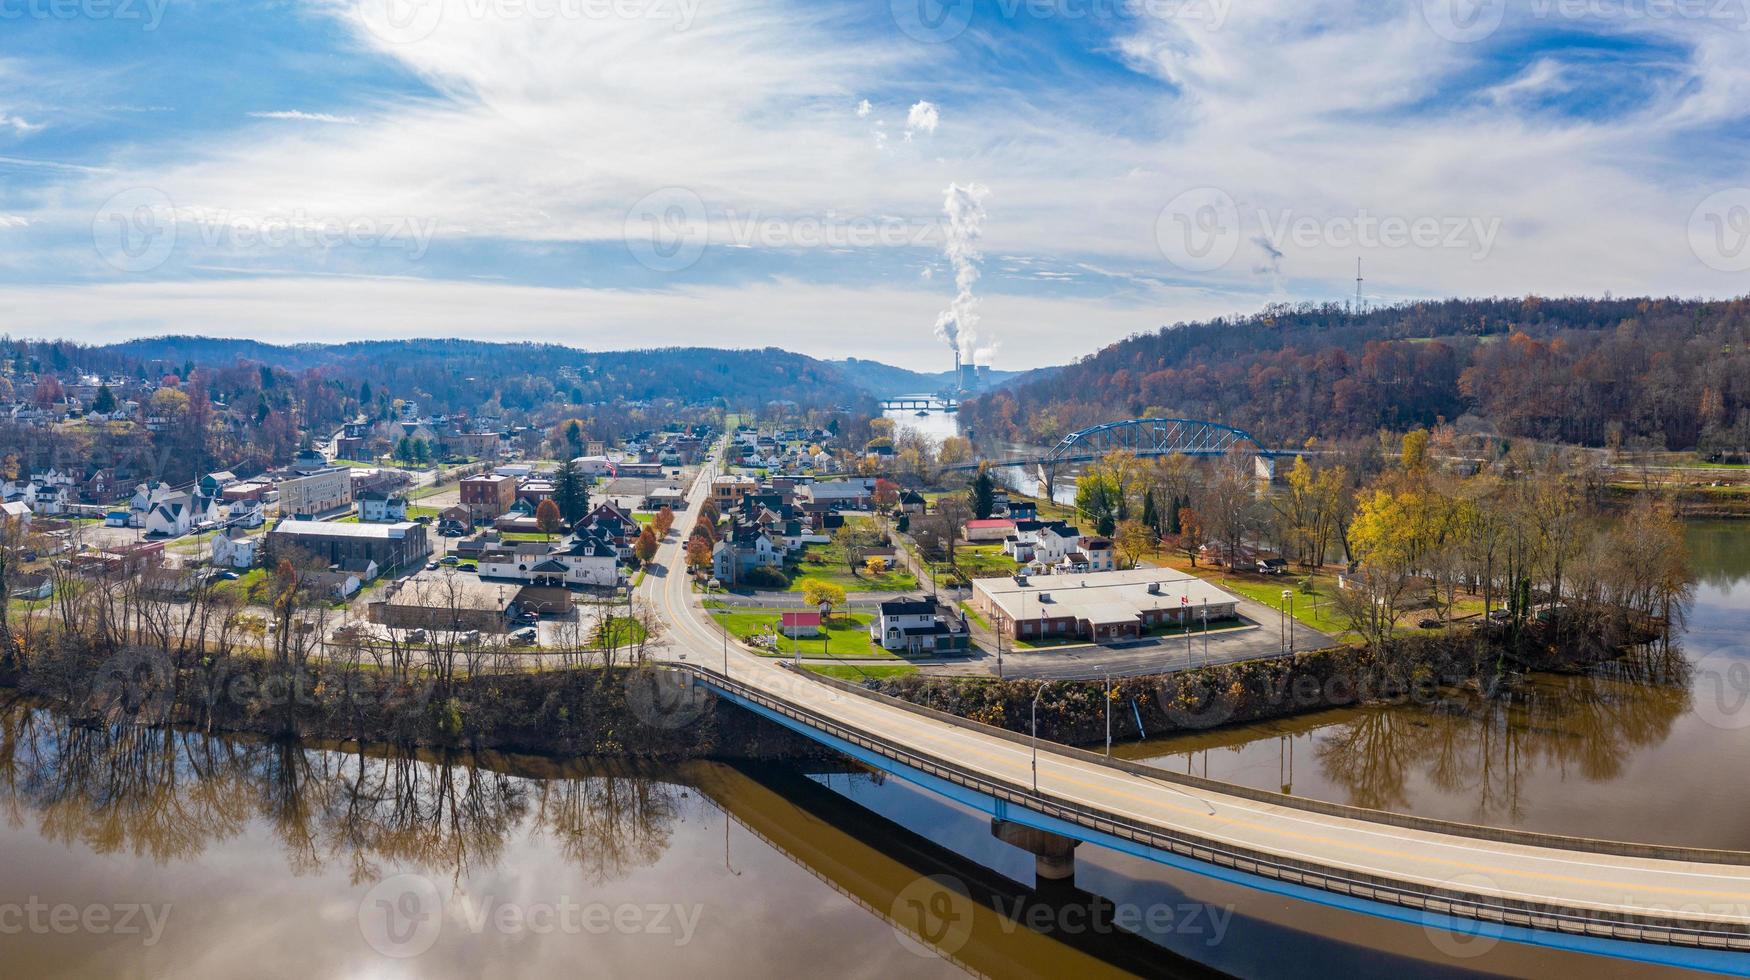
(1265, 466)
(1054, 856)
(1047, 481)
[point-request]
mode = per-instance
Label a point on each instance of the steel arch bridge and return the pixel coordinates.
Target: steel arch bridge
(1153, 437)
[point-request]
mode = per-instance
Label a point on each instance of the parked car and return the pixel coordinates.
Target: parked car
(468, 566)
(417, 636)
(431, 566)
(449, 560)
(525, 637)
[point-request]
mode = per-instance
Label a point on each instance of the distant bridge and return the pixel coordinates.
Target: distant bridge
(924, 403)
(1145, 438)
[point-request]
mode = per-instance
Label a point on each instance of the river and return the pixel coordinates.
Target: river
(937, 425)
(1644, 751)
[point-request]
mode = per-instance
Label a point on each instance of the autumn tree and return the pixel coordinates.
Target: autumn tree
(698, 552)
(663, 521)
(645, 547)
(1134, 540)
(547, 518)
(820, 592)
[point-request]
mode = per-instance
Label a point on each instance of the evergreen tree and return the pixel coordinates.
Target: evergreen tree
(1149, 515)
(982, 496)
(571, 492)
(104, 403)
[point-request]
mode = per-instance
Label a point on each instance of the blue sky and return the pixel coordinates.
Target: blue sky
(618, 173)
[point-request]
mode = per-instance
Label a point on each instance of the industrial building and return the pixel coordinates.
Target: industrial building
(1099, 607)
(392, 546)
(318, 493)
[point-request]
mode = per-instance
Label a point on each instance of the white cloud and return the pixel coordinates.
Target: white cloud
(922, 118)
(18, 124)
(297, 115)
(864, 108)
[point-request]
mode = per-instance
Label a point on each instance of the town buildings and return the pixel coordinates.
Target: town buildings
(391, 546)
(317, 493)
(1113, 605)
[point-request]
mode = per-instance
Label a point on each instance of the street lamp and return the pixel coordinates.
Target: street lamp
(1289, 595)
(1283, 610)
(1041, 690)
(1108, 715)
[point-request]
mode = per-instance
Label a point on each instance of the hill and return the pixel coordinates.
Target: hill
(1671, 373)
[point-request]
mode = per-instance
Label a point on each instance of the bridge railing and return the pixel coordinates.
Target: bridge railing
(1430, 900)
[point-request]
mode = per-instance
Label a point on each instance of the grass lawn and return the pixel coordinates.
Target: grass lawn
(248, 584)
(847, 635)
(527, 536)
(861, 672)
(976, 561)
(415, 512)
(827, 562)
(625, 632)
(972, 614)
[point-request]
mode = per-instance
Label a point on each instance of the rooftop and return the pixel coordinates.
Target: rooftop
(337, 529)
(1101, 597)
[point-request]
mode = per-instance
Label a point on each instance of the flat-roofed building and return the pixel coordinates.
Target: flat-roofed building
(1105, 606)
(487, 497)
(392, 546)
(318, 493)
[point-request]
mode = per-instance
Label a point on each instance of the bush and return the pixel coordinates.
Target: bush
(766, 577)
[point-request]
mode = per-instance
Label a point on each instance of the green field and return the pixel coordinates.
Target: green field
(847, 634)
(1267, 590)
(976, 561)
(827, 562)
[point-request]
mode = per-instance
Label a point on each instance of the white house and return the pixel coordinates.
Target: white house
(171, 518)
(245, 513)
(234, 549)
(15, 510)
(915, 626)
(32, 585)
(375, 507)
(581, 561)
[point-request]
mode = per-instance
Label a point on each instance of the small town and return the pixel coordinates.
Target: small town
(926, 489)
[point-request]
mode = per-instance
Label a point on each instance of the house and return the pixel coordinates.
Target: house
(247, 513)
(742, 550)
(857, 493)
(169, 583)
(1042, 542)
(1272, 566)
(15, 511)
(916, 626)
(233, 549)
(988, 529)
(329, 584)
(170, 518)
(118, 518)
(213, 483)
(31, 585)
(1023, 510)
(376, 506)
(308, 461)
(583, 560)
(911, 502)
(1098, 553)
(363, 568)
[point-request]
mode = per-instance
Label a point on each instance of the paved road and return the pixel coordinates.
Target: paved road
(1488, 870)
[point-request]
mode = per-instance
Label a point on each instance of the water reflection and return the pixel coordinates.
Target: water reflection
(1625, 752)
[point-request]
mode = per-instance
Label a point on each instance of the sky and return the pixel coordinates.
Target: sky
(1022, 180)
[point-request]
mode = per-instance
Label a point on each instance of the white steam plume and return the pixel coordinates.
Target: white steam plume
(957, 326)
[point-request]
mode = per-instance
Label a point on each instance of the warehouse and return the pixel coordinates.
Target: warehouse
(394, 547)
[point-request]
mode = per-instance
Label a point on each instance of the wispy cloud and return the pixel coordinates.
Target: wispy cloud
(297, 115)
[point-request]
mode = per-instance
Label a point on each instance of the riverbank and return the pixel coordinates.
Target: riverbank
(598, 712)
(1424, 670)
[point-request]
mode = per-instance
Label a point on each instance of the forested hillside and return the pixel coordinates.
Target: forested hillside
(1666, 372)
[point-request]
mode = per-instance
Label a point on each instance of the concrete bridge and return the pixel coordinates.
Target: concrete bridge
(1680, 907)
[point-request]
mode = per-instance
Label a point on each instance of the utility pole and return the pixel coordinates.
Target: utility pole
(1282, 612)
